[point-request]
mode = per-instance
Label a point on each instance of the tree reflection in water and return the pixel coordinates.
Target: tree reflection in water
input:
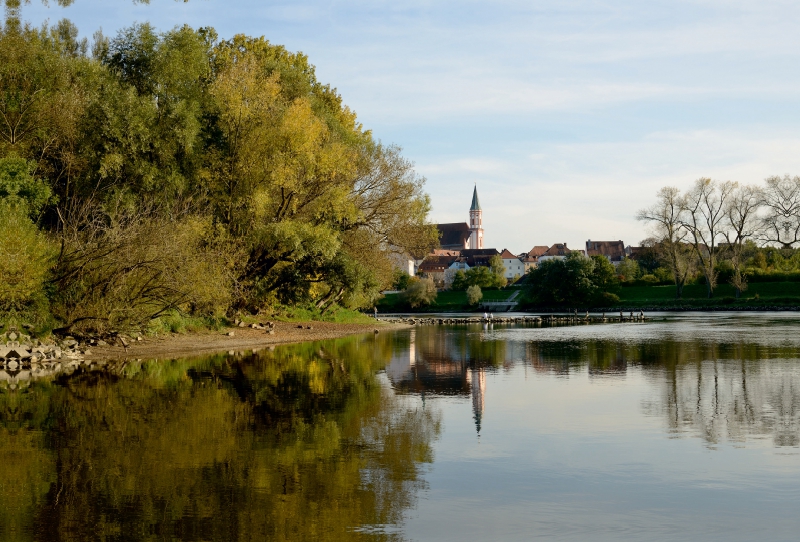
(712, 389)
(299, 443)
(717, 391)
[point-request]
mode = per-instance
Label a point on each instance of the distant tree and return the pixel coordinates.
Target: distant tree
(474, 295)
(499, 270)
(460, 281)
(566, 282)
(604, 275)
(703, 216)
(628, 269)
(400, 279)
(741, 215)
(420, 292)
(780, 223)
(648, 258)
(671, 237)
(576, 281)
(483, 276)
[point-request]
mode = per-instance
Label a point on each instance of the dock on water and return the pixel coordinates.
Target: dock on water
(546, 319)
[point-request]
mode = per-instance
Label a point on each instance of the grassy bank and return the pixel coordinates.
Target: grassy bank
(757, 295)
(175, 322)
(447, 301)
(761, 294)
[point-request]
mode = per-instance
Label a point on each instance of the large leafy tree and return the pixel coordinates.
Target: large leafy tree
(575, 281)
(275, 189)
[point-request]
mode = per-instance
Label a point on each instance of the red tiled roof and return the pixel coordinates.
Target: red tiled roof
(537, 251)
(613, 250)
(436, 264)
(559, 249)
(506, 255)
(453, 235)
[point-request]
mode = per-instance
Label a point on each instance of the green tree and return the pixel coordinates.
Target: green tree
(156, 133)
(575, 281)
(18, 187)
(400, 279)
(26, 256)
(474, 294)
(628, 269)
(499, 271)
(420, 292)
(460, 281)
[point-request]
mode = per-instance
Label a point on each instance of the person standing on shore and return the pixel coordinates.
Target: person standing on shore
(376, 312)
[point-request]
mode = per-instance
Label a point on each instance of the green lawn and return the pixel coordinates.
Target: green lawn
(760, 293)
(694, 295)
(445, 301)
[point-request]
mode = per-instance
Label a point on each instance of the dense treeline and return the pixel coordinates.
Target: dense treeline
(715, 232)
(722, 231)
(575, 281)
(150, 172)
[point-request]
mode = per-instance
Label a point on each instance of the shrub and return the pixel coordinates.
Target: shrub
(123, 273)
(400, 279)
(607, 299)
(25, 259)
(420, 292)
(474, 294)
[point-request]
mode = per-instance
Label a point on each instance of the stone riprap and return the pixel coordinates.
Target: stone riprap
(23, 358)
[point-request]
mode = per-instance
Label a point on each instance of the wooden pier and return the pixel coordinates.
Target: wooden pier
(547, 319)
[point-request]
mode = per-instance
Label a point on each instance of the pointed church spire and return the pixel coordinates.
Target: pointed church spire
(476, 205)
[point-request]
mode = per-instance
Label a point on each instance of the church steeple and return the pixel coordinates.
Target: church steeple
(475, 221)
(476, 205)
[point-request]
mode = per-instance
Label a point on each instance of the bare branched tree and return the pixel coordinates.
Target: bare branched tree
(670, 234)
(781, 220)
(741, 217)
(703, 217)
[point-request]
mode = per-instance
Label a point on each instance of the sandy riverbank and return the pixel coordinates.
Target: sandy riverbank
(188, 344)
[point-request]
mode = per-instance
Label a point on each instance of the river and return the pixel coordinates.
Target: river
(683, 427)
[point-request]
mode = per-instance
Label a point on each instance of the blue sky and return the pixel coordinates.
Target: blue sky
(568, 114)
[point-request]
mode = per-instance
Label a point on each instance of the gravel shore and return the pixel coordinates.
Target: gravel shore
(234, 338)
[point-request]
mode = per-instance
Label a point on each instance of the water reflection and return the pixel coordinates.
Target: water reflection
(579, 427)
(718, 378)
(300, 443)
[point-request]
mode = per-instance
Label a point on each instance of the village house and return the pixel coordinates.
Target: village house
(614, 251)
(513, 264)
(475, 257)
(436, 268)
(530, 259)
(559, 251)
(442, 268)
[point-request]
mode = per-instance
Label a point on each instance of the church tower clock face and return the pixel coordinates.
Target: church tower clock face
(475, 221)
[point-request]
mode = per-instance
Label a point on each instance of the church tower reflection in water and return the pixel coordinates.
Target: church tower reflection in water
(478, 384)
(428, 362)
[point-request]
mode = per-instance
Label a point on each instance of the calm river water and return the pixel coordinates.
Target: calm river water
(686, 427)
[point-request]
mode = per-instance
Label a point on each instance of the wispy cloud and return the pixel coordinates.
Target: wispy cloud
(569, 114)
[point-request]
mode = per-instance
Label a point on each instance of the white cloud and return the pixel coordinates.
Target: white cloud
(569, 114)
(580, 191)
